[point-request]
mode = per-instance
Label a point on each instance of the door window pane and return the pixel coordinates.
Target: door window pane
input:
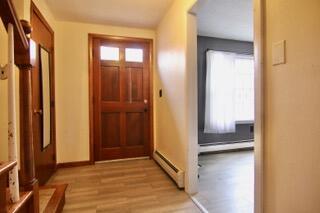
(109, 53)
(134, 55)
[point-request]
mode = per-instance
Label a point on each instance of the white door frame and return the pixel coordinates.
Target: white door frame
(192, 146)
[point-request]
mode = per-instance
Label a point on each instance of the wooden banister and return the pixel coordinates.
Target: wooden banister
(4, 171)
(9, 15)
(24, 204)
(6, 167)
(22, 55)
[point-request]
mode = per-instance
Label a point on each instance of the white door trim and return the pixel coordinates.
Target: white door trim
(259, 109)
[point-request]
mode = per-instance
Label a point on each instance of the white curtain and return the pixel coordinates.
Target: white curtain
(220, 93)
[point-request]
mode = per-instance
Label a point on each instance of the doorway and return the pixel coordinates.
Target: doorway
(256, 159)
(121, 92)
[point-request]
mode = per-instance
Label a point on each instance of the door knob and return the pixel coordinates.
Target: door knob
(145, 101)
(38, 111)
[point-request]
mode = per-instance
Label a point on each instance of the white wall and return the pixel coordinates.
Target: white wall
(292, 103)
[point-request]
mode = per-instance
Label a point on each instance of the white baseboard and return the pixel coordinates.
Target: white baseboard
(224, 147)
(199, 205)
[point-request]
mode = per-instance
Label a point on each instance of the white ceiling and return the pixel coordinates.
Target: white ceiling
(131, 13)
(229, 19)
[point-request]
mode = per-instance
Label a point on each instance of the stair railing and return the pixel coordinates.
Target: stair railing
(20, 51)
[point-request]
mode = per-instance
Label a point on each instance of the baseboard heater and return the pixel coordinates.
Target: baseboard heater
(173, 171)
(218, 147)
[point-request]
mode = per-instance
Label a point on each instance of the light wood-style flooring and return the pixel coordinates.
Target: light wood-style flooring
(128, 186)
(226, 182)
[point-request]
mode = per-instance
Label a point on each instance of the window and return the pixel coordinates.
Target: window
(134, 55)
(109, 53)
(229, 91)
(244, 89)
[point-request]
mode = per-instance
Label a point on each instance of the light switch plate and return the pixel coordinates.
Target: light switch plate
(279, 53)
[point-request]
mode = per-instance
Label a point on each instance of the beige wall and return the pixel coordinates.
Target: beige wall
(172, 108)
(292, 103)
(3, 98)
(72, 91)
(72, 102)
(20, 6)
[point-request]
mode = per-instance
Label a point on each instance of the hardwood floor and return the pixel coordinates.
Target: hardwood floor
(129, 186)
(226, 182)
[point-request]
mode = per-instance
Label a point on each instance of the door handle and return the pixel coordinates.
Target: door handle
(38, 111)
(145, 101)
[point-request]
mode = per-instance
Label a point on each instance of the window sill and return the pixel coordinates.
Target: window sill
(244, 122)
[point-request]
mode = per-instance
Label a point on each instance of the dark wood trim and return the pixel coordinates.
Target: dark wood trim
(26, 134)
(91, 108)
(73, 164)
(23, 205)
(22, 54)
(57, 201)
(91, 36)
(28, 180)
(4, 172)
(8, 15)
(151, 99)
(33, 8)
(6, 167)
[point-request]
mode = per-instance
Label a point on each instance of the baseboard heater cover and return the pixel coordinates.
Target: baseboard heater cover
(224, 147)
(173, 171)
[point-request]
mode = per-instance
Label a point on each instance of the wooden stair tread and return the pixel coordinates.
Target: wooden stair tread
(15, 207)
(56, 202)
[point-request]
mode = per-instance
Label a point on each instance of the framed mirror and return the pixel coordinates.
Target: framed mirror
(45, 66)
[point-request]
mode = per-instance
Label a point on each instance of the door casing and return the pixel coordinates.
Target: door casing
(259, 54)
(91, 37)
(45, 158)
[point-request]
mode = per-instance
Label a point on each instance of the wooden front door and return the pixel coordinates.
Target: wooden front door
(121, 98)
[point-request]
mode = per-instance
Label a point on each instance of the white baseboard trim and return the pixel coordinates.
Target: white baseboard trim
(224, 147)
(199, 205)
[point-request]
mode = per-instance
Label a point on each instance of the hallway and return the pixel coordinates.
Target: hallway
(129, 186)
(226, 182)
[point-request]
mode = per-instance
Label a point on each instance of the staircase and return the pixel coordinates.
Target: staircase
(25, 203)
(29, 188)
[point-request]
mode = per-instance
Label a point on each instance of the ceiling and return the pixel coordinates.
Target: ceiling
(229, 19)
(130, 13)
